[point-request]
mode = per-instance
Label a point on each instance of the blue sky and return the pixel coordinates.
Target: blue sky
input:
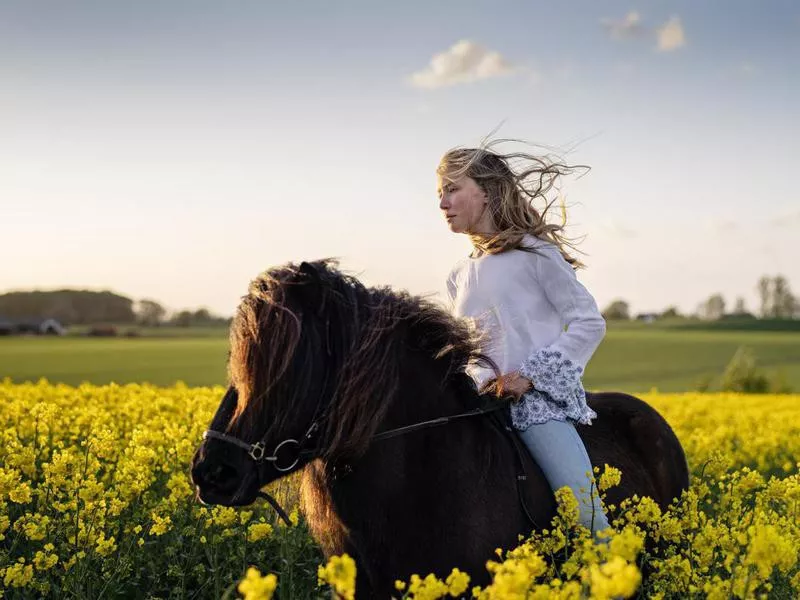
(173, 150)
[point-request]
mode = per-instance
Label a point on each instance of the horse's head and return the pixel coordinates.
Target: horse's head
(287, 341)
(315, 363)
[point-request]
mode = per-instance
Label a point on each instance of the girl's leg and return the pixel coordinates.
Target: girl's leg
(560, 452)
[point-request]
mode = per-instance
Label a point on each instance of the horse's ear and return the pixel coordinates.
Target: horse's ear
(310, 287)
(309, 269)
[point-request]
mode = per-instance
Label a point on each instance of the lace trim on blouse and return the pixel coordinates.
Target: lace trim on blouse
(557, 391)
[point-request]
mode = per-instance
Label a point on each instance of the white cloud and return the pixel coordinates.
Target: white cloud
(787, 219)
(670, 35)
(464, 62)
(627, 27)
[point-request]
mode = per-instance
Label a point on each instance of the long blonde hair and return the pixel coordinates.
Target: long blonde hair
(513, 183)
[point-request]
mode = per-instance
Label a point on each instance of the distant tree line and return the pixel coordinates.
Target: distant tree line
(71, 307)
(775, 298)
(188, 318)
(84, 307)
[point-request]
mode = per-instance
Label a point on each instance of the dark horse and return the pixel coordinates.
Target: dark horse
(312, 345)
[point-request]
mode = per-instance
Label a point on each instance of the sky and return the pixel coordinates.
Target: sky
(174, 150)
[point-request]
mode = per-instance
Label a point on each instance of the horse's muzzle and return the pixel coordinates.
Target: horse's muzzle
(216, 483)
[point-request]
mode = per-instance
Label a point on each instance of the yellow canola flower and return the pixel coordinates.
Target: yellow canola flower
(614, 579)
(78, 464)
(161, 525)
(339, 573)
(254, 586)
(610, 477)
(627, 545)
(18, 575)
(431, 587)
(224, 516)
(258, 531)
(769, 548)
(21, 494)
(457, 583)
(568, 508)
(33, 526)
(104, 546)
(44, 561)
(514, 577)
(428, 588)
(294, 517)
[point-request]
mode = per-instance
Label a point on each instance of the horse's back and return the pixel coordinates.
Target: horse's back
(631, 435)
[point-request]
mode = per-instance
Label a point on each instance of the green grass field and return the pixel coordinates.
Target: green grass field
(675, 360)
(631, 358)
(72, 360)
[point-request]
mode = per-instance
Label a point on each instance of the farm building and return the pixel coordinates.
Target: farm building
(647, 317)
(34, 326)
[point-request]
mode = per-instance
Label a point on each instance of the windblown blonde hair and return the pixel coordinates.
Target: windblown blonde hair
(514, 183)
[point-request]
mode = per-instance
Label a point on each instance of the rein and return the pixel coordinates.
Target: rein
(256, 451)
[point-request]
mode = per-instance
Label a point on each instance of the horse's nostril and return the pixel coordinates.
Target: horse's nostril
(220, 476)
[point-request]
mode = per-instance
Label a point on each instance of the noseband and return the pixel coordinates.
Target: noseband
(256, 451)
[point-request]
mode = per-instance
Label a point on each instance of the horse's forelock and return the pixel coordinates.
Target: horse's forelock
(263, 340)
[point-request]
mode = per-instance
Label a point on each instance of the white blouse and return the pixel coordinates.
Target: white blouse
(535, 317)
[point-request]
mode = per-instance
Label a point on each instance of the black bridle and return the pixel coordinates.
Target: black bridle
(257, 450)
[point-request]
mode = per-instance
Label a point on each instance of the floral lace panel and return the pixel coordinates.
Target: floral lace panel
(557, 391)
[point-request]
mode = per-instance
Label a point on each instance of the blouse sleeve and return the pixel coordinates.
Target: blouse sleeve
(557, 368)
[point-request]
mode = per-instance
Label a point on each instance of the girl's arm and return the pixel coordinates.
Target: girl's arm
(557, 368)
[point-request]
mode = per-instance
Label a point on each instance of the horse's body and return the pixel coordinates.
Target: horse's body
(426, 501)
(446, 496)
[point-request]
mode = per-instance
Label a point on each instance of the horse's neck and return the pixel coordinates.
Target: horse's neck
(425, 394)
(351, 504)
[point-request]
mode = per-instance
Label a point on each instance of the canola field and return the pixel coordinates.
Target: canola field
(96, 502)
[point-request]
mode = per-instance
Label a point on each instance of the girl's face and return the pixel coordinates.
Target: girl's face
(464, 205)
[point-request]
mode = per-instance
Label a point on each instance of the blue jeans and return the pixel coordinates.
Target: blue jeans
(559, 451)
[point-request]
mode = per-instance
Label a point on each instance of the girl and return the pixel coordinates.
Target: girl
(535, 320)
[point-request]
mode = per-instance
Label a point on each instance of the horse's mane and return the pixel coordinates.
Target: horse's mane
(307, 312)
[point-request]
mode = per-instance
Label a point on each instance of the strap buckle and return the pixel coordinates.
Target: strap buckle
(256, 451)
